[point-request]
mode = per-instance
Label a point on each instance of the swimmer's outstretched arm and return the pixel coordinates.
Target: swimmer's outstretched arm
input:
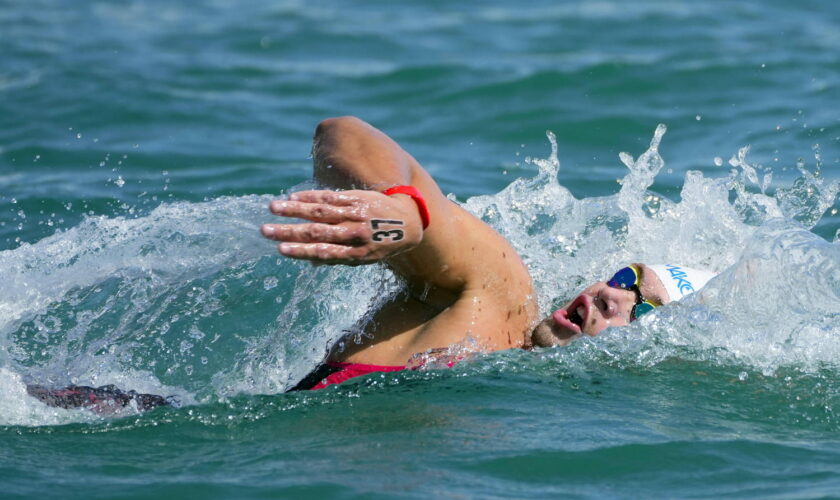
(469, 280)
(352, 155)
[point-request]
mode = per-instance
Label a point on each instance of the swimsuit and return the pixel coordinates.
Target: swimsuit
(107, 398)
(331, 373)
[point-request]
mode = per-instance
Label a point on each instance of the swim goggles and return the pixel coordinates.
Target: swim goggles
(628, 278)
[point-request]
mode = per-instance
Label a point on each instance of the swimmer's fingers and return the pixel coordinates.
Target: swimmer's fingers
(347, 227)
(337, 198)
(324, 253)
(351, 235)
(317, 212)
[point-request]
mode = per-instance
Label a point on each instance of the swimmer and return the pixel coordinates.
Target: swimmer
(465, 284)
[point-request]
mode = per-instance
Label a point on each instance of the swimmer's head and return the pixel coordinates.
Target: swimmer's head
(631, 292)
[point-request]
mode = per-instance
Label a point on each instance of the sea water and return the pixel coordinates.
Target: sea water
(142, 141)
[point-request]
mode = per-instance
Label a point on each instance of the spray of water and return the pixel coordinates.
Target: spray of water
(190, 301)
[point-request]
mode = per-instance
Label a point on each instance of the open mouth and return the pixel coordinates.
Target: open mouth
(573, 317)
(576, 316)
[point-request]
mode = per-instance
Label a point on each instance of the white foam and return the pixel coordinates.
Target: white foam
(776, 302)
(164, 303)
(19, 408)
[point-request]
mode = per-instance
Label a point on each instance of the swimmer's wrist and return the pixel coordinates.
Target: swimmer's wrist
(415, 195)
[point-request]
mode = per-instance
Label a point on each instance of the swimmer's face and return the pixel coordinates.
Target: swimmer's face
(599, 306)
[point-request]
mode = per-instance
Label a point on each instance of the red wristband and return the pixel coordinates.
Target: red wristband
(416, 196)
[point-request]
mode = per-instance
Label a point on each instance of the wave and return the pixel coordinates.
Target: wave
(190, 301)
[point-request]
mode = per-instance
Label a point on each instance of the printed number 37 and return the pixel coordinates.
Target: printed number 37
(386, 235)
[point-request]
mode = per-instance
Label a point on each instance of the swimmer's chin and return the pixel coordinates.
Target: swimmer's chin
(548, 334)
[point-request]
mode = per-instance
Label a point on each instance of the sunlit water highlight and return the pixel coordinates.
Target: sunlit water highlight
(140, 142)
(153, 303)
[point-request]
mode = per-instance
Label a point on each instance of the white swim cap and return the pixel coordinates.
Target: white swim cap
(680, 281)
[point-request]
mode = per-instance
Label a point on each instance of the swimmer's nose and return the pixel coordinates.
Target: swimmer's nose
(612, 301)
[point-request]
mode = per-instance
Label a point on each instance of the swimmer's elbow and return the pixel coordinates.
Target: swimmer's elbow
(350, 153)
(338, 126)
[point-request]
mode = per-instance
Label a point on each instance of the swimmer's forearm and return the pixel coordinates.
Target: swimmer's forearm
(350, 154)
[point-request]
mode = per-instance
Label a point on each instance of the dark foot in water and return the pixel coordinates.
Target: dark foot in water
(105, 399)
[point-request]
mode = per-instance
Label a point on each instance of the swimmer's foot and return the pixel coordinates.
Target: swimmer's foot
(106, 399)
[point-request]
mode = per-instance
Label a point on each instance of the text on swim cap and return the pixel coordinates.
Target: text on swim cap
(681, 277)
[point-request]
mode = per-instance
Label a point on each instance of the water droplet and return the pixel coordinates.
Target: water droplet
(119, 182)
(79, 135)
(270, 282)
(698, 118)
(718, 161)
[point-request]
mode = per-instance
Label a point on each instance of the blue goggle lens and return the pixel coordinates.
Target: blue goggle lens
(625, 278)
(628, 279)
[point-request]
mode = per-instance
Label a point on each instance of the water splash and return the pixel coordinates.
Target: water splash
(774, 305)
(190, 300)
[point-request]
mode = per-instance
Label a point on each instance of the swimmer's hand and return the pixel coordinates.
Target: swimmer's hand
(347, 227)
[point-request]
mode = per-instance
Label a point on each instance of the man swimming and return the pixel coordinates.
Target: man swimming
(465, 284)
(463, 280)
